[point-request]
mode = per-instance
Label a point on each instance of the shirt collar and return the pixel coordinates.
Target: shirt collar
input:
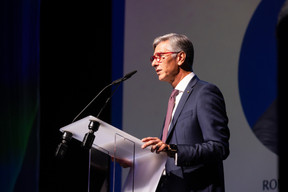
(184, 82)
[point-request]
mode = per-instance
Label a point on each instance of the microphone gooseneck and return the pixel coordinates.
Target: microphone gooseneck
(93, 125)
(91, 102)
(127, 76)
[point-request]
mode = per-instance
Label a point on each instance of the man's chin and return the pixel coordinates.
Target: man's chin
(160, 77)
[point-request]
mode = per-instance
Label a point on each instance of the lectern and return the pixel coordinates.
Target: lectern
(146, 167)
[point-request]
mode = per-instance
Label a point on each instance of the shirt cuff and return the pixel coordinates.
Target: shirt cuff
(176, 159)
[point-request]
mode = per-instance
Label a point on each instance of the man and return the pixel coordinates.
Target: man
(197, 140)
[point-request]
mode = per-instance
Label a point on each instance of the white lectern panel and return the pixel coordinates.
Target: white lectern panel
(147, 168)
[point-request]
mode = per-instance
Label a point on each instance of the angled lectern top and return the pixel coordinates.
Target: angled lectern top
(146, 168)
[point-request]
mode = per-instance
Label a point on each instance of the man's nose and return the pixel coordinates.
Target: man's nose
(154, 63)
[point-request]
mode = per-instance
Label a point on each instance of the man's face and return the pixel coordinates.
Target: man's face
(166, 68)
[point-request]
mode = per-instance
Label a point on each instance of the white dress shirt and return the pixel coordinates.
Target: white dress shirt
(181, 87)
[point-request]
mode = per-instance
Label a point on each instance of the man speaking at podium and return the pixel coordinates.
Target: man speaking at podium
(195, 134)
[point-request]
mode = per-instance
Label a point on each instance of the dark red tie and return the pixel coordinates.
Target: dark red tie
(171, 104)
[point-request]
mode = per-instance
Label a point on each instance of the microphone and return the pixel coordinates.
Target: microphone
(62, 148)
(93, 125)
(127, 76)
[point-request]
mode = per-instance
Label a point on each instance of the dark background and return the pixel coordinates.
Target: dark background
(282, 42)
(75, 64)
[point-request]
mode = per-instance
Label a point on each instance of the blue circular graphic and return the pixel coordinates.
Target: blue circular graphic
(257, 73)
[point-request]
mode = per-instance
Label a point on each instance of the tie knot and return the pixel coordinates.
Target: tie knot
(174, 93)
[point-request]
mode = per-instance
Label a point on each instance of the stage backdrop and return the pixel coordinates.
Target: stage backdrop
(235, 48)
(19, 97)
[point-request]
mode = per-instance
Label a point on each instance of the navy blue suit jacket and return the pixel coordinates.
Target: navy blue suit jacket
(199, 129)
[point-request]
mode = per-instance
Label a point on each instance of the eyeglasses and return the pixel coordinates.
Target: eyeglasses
(159, 56)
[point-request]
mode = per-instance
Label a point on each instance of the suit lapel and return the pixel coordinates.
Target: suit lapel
(181, 103)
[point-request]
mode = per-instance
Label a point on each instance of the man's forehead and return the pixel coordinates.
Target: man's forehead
(162, 46)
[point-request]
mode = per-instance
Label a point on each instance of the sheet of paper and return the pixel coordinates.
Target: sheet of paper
(148, 170)
(148, 166)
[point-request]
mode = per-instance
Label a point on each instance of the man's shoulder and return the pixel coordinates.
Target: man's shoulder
(202, 87)
(205, 84)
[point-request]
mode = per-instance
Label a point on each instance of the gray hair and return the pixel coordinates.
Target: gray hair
(178, 43)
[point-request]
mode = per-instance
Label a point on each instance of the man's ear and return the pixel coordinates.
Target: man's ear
(181, 58)
(181, 62)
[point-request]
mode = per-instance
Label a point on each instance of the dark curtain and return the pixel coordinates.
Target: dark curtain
(282, 40)
(19, 124)
(75, 62)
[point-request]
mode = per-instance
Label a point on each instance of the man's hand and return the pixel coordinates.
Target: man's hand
(155, 143)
